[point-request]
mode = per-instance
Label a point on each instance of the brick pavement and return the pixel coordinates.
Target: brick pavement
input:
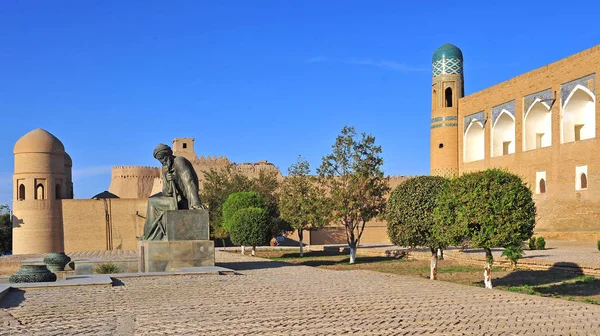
(271, 298)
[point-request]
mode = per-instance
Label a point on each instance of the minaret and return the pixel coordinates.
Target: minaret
(446, 89)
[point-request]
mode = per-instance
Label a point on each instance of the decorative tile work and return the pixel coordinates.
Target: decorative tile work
(444, 125)
(566, 88)
(529, 99)
(433, 120)
(508, 106)
(447, 66)
(479, 116)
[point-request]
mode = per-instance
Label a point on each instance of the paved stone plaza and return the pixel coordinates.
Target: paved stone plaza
(271, 298)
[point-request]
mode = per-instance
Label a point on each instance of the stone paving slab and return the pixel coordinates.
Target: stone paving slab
(273, 298)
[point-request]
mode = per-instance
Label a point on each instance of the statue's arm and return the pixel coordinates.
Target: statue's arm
(167, 190)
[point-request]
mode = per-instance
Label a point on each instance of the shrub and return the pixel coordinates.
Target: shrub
(513, 253)
(540, 243)
(237, 201)
(598, 245)
(107, 268)
(250, 227)
(532, 243)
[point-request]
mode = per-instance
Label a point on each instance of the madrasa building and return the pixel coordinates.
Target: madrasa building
(540, 125)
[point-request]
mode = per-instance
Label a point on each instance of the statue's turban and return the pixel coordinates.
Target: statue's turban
(162, 149)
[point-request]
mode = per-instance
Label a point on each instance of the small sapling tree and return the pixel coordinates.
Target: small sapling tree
(354, 183)
(491, 208)
(301, 201)
(513, 253)
(250, 227)
(409, 216)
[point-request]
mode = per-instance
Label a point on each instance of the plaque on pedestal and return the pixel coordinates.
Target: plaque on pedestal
(187, 225)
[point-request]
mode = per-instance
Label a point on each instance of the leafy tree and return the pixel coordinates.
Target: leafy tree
(267, 186)
(250, 226)
(301, 200)
(217, 186)
(491, 208)
(5, 229)
(238, 201)
(409, 216)
(354, 182)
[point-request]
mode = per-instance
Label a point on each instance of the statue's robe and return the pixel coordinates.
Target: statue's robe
(185, 196)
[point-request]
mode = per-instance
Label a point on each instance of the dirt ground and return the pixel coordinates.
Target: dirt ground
(571, 286)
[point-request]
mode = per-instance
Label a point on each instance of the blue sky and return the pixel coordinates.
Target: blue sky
(254, 80)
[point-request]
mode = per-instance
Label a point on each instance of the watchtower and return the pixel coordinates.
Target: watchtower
(446, 89)
(42, 177)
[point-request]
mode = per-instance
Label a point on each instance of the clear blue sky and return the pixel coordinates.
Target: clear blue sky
(254, 80)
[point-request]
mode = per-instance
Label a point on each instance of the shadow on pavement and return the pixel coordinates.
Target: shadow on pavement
(252, 265)
(13, 298)
(559, 272)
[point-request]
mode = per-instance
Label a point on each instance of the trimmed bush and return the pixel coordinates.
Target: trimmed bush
(490, 208)
(250, 227)
(409, 212)
(532, 243)
(540, 243)
(237, 201)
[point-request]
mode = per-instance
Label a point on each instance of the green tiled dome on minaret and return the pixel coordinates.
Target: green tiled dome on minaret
(447, 60)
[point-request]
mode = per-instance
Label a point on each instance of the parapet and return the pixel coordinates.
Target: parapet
(135, 171)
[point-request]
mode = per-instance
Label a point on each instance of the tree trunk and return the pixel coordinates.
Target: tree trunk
(434, 263)
(243, 250)
(253, 251)
(300, 236)
(487, 272)
(223, 241)
(440, 253)
(352, 254)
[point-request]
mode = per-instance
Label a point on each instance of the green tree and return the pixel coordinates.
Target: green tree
(409, 216)
(267, 186)
(5, 229)
(491, 208)
(301, 201)
(217, 186)
(250, 226)
(354, 182)
(240, 200)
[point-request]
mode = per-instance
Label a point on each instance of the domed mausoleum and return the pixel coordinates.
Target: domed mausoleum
(42, 177)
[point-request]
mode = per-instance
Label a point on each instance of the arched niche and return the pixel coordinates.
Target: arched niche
(473, 144)
(448, 96)
(39, 191)
(578, 116)
(503, 135)
(537, 126)
(21, 192)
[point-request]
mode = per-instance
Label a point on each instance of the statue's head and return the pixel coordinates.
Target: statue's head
(163, 153)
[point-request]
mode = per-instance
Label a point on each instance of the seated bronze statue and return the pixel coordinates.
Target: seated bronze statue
(180, 192)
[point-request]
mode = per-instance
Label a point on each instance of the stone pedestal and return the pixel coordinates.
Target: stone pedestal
(170, 256)
(187, 243)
